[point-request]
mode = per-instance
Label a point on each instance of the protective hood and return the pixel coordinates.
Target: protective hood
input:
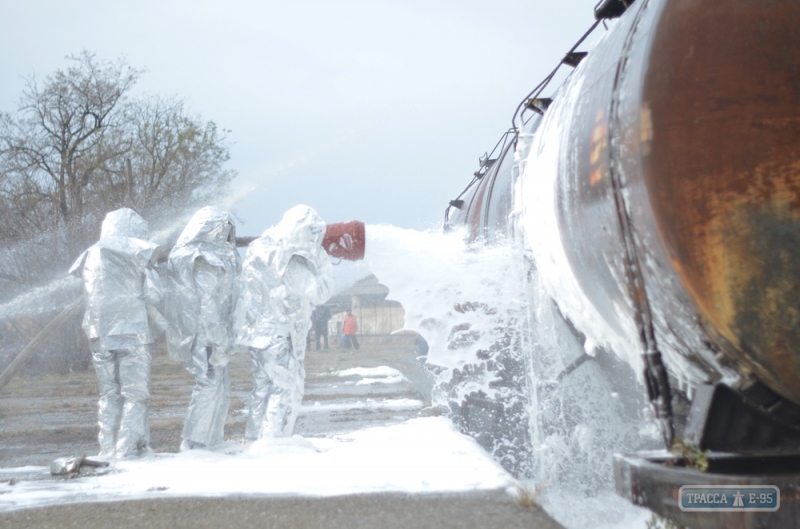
(209, 225)
(210, 234)
(123, 232)
(300, 231)
(124, 223)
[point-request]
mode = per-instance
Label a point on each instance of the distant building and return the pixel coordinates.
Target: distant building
(367, 299)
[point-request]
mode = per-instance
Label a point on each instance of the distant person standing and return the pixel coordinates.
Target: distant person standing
(121, 290)
(350, 330)
(320, 318)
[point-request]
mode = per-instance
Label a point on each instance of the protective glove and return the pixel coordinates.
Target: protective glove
(219, 358)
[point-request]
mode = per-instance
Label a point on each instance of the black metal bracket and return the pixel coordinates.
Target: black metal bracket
(538, 104)
(611, 9)
(574, 58)
(728, 420)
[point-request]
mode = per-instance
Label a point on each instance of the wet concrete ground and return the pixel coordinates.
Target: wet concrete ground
(48, 417)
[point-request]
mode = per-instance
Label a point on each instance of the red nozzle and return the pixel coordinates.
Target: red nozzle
(345, 240)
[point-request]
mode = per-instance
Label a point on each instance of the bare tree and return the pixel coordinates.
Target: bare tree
(53, 144)
(78, 146)
(172, 160)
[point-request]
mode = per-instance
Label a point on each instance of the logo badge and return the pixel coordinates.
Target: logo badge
(729, 498)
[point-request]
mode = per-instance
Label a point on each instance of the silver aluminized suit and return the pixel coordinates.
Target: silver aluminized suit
(121, 289)
(284, 272)
(202, 268)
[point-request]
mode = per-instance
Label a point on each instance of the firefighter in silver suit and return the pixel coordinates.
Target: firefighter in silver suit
(121, 290)
(202, 269)
(285, 271)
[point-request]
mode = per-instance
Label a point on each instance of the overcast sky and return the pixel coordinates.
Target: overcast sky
(371, 110)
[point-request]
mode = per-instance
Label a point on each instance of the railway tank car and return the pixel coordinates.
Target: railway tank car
(666, 168)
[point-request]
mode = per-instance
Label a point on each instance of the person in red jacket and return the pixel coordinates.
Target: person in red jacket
(350, 329)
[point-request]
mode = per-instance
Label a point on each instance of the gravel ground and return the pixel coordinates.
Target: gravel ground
(368, 511)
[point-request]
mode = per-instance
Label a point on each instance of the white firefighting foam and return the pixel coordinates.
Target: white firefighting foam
(466, 300)
(422, 455)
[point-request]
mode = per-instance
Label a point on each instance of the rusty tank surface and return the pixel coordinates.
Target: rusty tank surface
(721, 163)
